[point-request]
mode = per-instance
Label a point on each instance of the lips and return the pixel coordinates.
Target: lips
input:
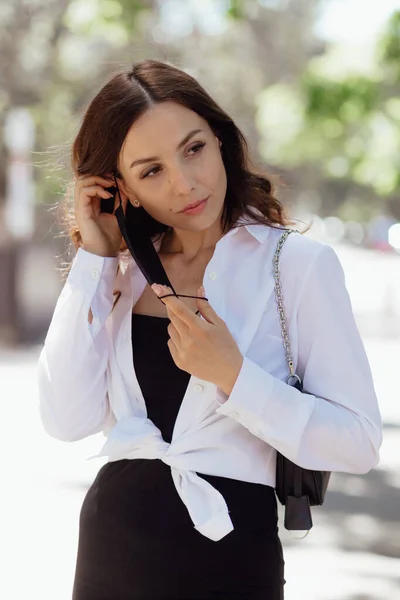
(194, 204)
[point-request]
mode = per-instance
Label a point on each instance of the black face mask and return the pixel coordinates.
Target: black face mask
(138, 241)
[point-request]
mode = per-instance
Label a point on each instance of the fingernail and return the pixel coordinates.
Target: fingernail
(202, 291)
(157, 288)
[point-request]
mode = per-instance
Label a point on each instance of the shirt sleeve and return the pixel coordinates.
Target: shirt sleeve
(71, 371)
(336, 425)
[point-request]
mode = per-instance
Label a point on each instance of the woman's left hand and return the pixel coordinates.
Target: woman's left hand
(203, 348)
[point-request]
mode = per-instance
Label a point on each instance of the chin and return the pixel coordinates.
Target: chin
(210, 218)
(204, 222)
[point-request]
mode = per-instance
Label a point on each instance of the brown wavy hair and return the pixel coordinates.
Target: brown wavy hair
(124, 99)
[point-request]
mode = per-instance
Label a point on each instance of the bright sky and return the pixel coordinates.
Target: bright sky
(355, 20)
(349, 21)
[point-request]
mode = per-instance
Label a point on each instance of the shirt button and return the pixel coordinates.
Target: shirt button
(198, 387)
(213, 275)
(95, 274)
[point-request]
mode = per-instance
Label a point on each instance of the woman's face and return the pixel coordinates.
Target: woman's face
(171, 158)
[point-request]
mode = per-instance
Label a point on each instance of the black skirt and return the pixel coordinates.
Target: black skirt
(136, 538)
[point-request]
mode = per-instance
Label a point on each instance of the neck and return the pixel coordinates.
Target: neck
(191, 243)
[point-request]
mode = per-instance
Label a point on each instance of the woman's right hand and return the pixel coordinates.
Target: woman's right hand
(99, 231)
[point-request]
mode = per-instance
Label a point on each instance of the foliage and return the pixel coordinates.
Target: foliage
(100, 35)
(345, 126)
(389, 48)
(53, 52)
(334, 131)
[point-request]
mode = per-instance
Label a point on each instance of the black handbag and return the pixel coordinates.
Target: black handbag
(296, 488)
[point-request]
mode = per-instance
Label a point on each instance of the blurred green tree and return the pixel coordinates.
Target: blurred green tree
(59, 52)
(43, 46)
(46, 56)
(341, 130)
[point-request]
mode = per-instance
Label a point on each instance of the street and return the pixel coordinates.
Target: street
(353, 550)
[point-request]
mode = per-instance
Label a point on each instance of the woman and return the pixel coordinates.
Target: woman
(190, 390)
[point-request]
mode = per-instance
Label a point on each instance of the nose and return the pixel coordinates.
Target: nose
(180, 180)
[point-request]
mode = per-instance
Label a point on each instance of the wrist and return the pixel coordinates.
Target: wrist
(230, 376)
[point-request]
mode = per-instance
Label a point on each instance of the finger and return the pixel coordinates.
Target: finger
(205, 308)
(174, 352)
(174, 334)
(179, 325)
(96, 190)
(94, 179)
(89, 195)
(176, 306)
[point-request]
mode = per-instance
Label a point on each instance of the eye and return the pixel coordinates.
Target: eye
(148, 172)
(195, 148)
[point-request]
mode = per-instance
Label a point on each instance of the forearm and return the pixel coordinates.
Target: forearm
(314, 432)
(228, 374)
(337, 424)
(72, 365)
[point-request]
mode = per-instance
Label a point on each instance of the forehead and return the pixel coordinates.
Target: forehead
(160, 129)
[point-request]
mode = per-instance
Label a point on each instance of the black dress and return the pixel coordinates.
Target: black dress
(136, 539)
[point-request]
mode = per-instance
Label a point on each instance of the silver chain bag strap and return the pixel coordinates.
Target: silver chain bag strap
(296, 488)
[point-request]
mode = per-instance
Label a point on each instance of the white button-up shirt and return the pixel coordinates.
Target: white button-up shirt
(87, 381)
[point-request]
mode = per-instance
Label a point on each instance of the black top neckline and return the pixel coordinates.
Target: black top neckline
(149, 316)
(153, 316)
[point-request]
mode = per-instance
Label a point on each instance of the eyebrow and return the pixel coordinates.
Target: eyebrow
(141, 161)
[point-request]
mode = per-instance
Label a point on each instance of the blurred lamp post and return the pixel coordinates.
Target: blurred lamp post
(19, 138)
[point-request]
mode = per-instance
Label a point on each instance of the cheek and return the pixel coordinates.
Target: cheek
(209, 172)
(220, 179)
(214, 174)
(160, 211)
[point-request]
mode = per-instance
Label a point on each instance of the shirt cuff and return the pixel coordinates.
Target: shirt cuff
(245, 403)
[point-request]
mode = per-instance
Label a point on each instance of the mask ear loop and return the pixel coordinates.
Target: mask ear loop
(119, 214)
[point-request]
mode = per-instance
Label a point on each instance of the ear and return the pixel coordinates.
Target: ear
(123, 187)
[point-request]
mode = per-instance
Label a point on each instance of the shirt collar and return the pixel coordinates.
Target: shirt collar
(257, 230)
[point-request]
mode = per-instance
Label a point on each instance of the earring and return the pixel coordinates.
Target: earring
(136, 203)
